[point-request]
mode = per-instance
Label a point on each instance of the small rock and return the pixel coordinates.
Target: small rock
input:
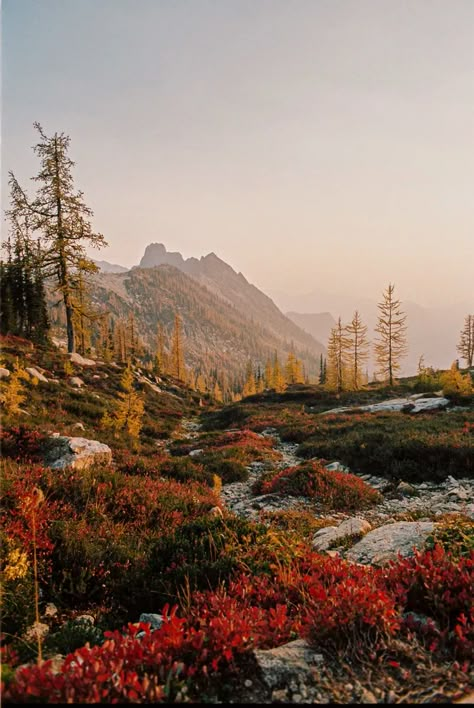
(195, 453)
(337, 467)
(354, 526)
(281, 666)
(406, 489)
(78, 426)
(80, 360)
(151, 618)
(297, 698)
(4, 373)
(280, 695)
(36, 374)
(248, 683)
(384, 543)
(76, 381)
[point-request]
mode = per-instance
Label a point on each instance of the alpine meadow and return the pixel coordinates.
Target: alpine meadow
(214, 491)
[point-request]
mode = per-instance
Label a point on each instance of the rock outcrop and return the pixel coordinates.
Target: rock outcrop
(78, 453)
(332, 535)
(384, 543)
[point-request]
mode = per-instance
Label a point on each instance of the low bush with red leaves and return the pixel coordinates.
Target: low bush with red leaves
(334, 490)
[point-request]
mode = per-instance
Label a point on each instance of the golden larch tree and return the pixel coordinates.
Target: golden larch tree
(391, 345)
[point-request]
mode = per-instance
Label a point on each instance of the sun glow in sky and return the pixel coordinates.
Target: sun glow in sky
(313, 144)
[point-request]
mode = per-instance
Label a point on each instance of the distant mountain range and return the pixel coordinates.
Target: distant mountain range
(431, 331)
(226, 319)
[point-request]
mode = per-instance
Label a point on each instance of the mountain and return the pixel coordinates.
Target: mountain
(222, 280)
(218, 336)
(106, 267)
(431, 331)
(319, 324)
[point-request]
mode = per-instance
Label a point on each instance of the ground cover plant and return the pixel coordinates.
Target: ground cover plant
(148, 533)
(334, 490)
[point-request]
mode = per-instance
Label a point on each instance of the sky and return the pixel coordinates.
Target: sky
(312, 144)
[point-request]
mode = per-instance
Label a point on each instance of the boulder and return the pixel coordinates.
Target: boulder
(291, 661)
(80, 360)
(195, 453)
(34, 373)
(407, 489)
(78, 426)
(78, 453)
(384, 543)
(331, 535)
(408, 405)
(4, 373)
(76, 381)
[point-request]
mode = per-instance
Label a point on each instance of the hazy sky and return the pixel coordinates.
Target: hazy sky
(310, 143)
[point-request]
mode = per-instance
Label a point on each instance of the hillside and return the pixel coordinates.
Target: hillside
(217, 334)
(212, 558)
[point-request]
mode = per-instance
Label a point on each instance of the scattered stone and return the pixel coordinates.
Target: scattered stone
(80, 360)
(384, 543)
(328, 536)
(460, 493)
(248, 683)
(280, 666)
(78, 426)
(280, 695)
(407, 489)
(195, 453)
(76, 381)
(4, 373)
(34, 373)
(337, 467)
(78, 453)
(151, 618)
(396, 404)
(368, 697)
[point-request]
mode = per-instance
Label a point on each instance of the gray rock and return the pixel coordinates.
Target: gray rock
(349, 527)
(34, 373)
(289, 662)
(337, 467)
(384, 543)
(78, 426)
(195, 453)
(76, 381)
(78, 453)
(4, 373)
(153, 619)
(406, 489)
(80, 360)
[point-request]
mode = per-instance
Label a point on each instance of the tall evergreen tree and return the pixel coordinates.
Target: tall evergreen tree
(337, 358)
(466, 340)
(177, 353)
(60, 214)
(391, 346)
(357, 351)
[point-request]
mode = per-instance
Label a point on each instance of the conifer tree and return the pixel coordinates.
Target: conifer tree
(293, 369)
(217, 392)
(177, 354)
(161, 363)
(357, 351)
(14, 394)
(466, 341)
(278, 378)
(128, 413)
(269, 383)
(391, 346)
(250, 387)
(337, 358)
(60, 214)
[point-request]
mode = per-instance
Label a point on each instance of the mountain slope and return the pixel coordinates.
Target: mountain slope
(221, 279)
(218, 336)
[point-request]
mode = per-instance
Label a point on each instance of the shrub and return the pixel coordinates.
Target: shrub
(335, 490)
